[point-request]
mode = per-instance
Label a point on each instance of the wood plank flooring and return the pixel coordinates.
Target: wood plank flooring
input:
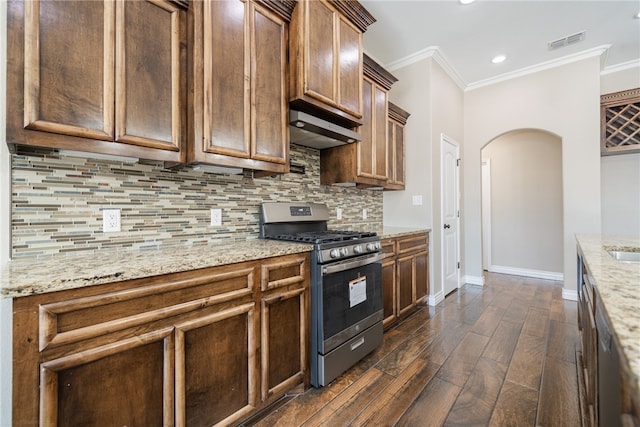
(498, 355)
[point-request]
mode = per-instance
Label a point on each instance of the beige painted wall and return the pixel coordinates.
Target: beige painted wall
(564, 101)
(621, 173)
(526, 202)
(435, 102)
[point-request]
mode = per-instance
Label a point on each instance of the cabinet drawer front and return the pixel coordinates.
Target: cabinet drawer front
(284, 272)
(412, 243)
(87, 317)
(388, 247)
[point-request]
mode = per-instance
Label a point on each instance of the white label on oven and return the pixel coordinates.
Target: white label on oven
(357, 291)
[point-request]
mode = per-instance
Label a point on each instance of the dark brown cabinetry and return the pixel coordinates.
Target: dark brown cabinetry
(609, 393)
(364, 163)
(326, 58)
(238, 114)
(396, 148)
(98, 76)
(196, 348)
(405, 275)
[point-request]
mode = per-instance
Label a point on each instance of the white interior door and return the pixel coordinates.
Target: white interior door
(450, 207)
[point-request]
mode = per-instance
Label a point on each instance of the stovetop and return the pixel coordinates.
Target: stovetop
(325, 236)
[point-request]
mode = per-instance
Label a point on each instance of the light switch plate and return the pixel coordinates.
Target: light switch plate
(339, 213)
(364, 214)
(416, 200)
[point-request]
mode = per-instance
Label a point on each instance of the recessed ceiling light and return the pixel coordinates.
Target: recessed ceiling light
(637, 15)
(466, 1)
(498, 59)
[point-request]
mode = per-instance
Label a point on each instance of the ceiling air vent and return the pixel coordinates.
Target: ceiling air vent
(566, 41)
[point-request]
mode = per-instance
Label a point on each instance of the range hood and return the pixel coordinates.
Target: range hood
(311, 131)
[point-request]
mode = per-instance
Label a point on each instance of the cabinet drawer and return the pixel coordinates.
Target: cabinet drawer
(413, 243)
(87, 317)
(388, 247)
(283, 272)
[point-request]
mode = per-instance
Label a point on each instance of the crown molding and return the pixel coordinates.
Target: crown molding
(589, 53)
(621, 67)
(429, 52)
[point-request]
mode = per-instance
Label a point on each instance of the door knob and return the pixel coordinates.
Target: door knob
(447, 226)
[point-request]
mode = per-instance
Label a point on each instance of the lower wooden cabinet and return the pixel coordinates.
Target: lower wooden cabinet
(405, 275)
(199, 348)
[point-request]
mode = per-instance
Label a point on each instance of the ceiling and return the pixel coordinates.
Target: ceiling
(467, 37)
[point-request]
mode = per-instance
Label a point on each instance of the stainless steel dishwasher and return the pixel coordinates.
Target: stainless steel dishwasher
(609, 393)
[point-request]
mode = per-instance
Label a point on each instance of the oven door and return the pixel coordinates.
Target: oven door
(351, 299)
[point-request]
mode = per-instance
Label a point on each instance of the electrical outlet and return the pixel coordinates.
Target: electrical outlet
(110, 220)
(364, 214)
(339, 213)
(216, 217)
(416, 200)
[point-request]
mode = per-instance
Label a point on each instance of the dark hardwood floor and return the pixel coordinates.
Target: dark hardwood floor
(499, 355)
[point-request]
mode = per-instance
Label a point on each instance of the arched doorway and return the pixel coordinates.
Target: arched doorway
(522, 206)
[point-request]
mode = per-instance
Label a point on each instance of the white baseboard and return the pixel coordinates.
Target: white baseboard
(569, 295)
(537, 274)
(473, 280)
(436, 299)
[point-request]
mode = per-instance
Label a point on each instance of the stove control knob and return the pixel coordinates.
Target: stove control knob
(357, 249)
(344, 251)
(371, 246)
(378, 246)
(334, 253)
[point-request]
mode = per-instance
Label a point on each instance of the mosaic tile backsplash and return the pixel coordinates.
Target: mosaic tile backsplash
(57, 203)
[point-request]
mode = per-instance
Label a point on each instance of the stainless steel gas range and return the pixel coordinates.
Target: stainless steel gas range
(346, 285)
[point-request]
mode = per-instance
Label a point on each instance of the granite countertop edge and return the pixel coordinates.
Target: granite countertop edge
(616, 283)
(390, 232)
(23, 277)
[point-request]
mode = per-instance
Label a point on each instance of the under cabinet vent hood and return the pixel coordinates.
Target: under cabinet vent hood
(314, 132)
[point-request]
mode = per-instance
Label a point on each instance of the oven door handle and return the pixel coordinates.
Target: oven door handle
(353, 263)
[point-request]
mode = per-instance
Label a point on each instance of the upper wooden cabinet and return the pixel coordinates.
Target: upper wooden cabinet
(238, 116)
(396, 148)
(98, 76)
(364, 163)
(326, 58)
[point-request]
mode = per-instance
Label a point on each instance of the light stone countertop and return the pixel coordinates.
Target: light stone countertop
(389, 232)
(22, 277)
(617, 284)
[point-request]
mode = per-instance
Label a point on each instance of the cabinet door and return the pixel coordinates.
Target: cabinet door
(226, 74)
(365, 146)
(216, 367)
(389, 290)
(395, 160)
(150, 74)
(285, 320)
(320, 55)
(269, 109)
(405, 283)
(128, 382)
(421, 261)
(68, 67)
(372, 150)
(349, 67)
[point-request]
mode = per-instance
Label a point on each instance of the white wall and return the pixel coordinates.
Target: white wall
(412, 92)
(5, 233)
(562, 100)
(526, 203)
(435, 102)
(621, 173)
